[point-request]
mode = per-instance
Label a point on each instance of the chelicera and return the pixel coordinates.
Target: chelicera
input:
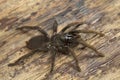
(62, 42)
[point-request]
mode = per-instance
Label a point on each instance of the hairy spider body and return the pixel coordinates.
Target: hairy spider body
(60, 42)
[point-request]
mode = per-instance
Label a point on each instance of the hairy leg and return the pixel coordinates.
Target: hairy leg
(75, 24)
(75, 58)
(21, 59)
(55, 27)
(91, 47)
(87, 31)
(52, 61)
(33, 28)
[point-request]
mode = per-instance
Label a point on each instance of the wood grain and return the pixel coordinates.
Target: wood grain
(100, 15)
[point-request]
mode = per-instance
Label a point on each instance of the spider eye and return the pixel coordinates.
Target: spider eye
(67, 38)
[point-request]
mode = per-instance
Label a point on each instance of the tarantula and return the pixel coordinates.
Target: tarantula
(60, 42)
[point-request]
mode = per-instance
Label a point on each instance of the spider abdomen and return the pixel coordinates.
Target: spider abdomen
(37, 42)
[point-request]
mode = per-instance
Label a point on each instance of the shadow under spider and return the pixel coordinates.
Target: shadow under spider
(62, 42)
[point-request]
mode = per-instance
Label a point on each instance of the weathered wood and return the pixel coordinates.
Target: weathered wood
(101, 15)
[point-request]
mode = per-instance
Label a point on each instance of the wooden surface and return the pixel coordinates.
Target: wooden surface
(101, 15)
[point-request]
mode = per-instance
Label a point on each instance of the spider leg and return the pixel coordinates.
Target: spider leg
(75, 58)
(77, 24)
(52, 61)
(55, 27)
(33, 28)
(91, 47)
(21, 59)
(87, 31)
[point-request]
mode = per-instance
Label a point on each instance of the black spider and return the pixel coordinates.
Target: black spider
(62, 42)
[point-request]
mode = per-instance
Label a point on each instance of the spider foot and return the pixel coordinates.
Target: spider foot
(101, 34)
(22, 29)
(15, 63)
(51, 72)
(100, 54)
(78, 68)
(12, 64)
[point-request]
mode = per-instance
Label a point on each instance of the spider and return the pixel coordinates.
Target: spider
(62, 42)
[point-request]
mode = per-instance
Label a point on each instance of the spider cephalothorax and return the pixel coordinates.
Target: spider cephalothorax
(60, 42)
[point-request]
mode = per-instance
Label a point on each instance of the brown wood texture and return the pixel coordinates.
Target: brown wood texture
(101, 15)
